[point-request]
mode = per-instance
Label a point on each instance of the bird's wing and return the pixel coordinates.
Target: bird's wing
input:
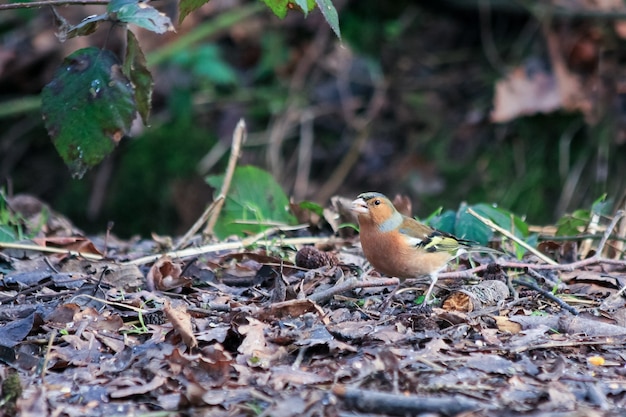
(441, 242)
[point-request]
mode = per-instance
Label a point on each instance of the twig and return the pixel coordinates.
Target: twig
(33, 4)
(197, 225)
(184, 253)
(469, 273)
(47, 249)
(348, 285)
(239, 137)
(546, 294)
(511, 236)
(44, 367)
(619, 244)
(402, 404)
(608, 231)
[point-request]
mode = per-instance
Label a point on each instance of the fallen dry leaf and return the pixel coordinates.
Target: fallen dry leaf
(181, 321)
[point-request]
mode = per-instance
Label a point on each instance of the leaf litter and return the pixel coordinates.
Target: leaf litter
(275, 329)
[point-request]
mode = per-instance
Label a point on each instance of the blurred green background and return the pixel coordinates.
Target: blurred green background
(403, 104)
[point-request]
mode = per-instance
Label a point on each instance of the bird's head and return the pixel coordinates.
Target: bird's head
(373, 207)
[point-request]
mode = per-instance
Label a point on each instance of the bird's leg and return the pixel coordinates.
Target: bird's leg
(433, 281)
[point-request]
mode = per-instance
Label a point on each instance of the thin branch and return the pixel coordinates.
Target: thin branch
(351, 284)
(47, 249)
(546, 294)
(403, 404)
(218, 247)
(34, 4)
(608, 231)
(239, 137)
(511, 236)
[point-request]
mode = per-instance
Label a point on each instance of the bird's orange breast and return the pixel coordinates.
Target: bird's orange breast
(390, 254)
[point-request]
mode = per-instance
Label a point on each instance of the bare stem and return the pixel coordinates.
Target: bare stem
(34, 4)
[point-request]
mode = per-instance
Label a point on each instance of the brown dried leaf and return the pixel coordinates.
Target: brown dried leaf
(136, 387)
(523, 93)
(507, 326)
(70, 243)
(284, 376)
(165, 275)
(255, 350)
(291, 308)
(181, 320)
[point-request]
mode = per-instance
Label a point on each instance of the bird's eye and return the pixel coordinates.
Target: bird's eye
(376, 202)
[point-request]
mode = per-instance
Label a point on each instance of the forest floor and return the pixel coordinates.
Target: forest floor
(235, 328)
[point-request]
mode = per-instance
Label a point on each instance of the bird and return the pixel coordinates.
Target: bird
(402, 247)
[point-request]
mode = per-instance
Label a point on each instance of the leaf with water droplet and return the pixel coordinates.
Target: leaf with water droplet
(87, 108)
(330, 14)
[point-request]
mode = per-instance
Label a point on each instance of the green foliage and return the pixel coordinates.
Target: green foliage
(187, 6)
(104, 100)
(313, 207)
(135, 69)
(123, 11)
(101, 101)
(205, 62)
(140, 14)
(255, 202)
(305, 5)
(275, 52)
(330, 14)
(519, 171)
(466, 226)
(573, 224)
(12, 225)
(147, 171)
(281, 7)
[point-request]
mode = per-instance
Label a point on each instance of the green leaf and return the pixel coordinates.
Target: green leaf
(314, 207)
(469, 227)
(444, 222)
(187, 6)
(305, 5)
(140, 14)
(330, 14)
(66, 31)
(602, 205)
(136, 70)
(87, 108)
(206, 62)
(279, 7)
(7, 233)
(274, 54)
(570, 224)
(254, 203)
(466, 226)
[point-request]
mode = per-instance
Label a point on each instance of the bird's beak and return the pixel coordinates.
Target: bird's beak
(359, 206)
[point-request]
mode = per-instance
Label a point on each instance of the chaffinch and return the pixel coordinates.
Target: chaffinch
(402, 247)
